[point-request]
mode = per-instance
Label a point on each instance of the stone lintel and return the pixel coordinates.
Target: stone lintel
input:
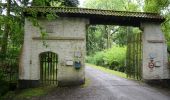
(156, 41)
(58, 38)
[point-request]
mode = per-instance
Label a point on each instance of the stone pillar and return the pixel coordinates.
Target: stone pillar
(25, 66)
(155, 61)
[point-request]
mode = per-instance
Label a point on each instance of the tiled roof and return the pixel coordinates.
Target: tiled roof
(92, 13)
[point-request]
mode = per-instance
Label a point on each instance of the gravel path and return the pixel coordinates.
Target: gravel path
(103, 86)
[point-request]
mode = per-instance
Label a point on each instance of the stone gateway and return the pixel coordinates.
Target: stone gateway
(62, 50)
(66, 37)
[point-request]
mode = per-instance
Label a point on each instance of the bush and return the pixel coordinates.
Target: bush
(96, 59)
(3, 84)
(4, 87)
(113, 58)
(90, 59)
(99, 58)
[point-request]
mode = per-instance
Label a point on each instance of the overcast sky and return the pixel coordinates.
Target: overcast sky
(81, 2)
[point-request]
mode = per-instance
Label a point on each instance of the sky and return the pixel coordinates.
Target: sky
(81, 2)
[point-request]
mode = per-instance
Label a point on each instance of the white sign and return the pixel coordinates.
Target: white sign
(69, 62)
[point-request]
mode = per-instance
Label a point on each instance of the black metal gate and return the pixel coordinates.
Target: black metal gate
(48, 68)
(134, 56)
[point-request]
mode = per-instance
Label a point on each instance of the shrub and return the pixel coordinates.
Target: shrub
(99, 58)
(96, 59)
(4, 87)
(112, 58)
(3, 84)
(90, 59)
(115, 58)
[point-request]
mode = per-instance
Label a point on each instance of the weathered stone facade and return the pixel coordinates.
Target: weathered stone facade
(154, 48)
(66, 36)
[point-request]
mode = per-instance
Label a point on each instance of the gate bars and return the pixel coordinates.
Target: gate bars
(134, 56)
(48, 68)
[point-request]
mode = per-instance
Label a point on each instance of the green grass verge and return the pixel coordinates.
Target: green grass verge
(87, 82)
(28, 93)
(34, 92)
(116, 73)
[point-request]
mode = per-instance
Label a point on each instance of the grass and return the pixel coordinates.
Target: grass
(32, 92)
(29, 93)
(116, 73)
(87, 82)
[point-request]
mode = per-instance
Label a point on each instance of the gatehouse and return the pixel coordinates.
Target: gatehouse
(59, 56)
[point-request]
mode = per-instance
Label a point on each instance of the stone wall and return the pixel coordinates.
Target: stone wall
(154, 48)
(66, 37)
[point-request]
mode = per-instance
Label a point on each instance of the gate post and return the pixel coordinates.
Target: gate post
(155, 61)
(26, 78)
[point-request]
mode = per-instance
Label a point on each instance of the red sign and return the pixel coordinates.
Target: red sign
(151, 65)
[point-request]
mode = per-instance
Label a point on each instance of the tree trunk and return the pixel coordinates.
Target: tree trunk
(6, 30)
(107, 34)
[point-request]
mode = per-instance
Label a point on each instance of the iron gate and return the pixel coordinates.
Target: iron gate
(134, 56)
(48, 68)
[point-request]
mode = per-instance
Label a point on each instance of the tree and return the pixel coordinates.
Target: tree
(155, 5)
(13, 20)
(117, 5)
(109, 34)
(6, 30)
(67, 3)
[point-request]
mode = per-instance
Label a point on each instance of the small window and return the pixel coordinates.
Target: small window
(50, 29)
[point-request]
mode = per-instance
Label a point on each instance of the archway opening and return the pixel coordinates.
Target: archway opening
(116, 47)
(48, 68)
